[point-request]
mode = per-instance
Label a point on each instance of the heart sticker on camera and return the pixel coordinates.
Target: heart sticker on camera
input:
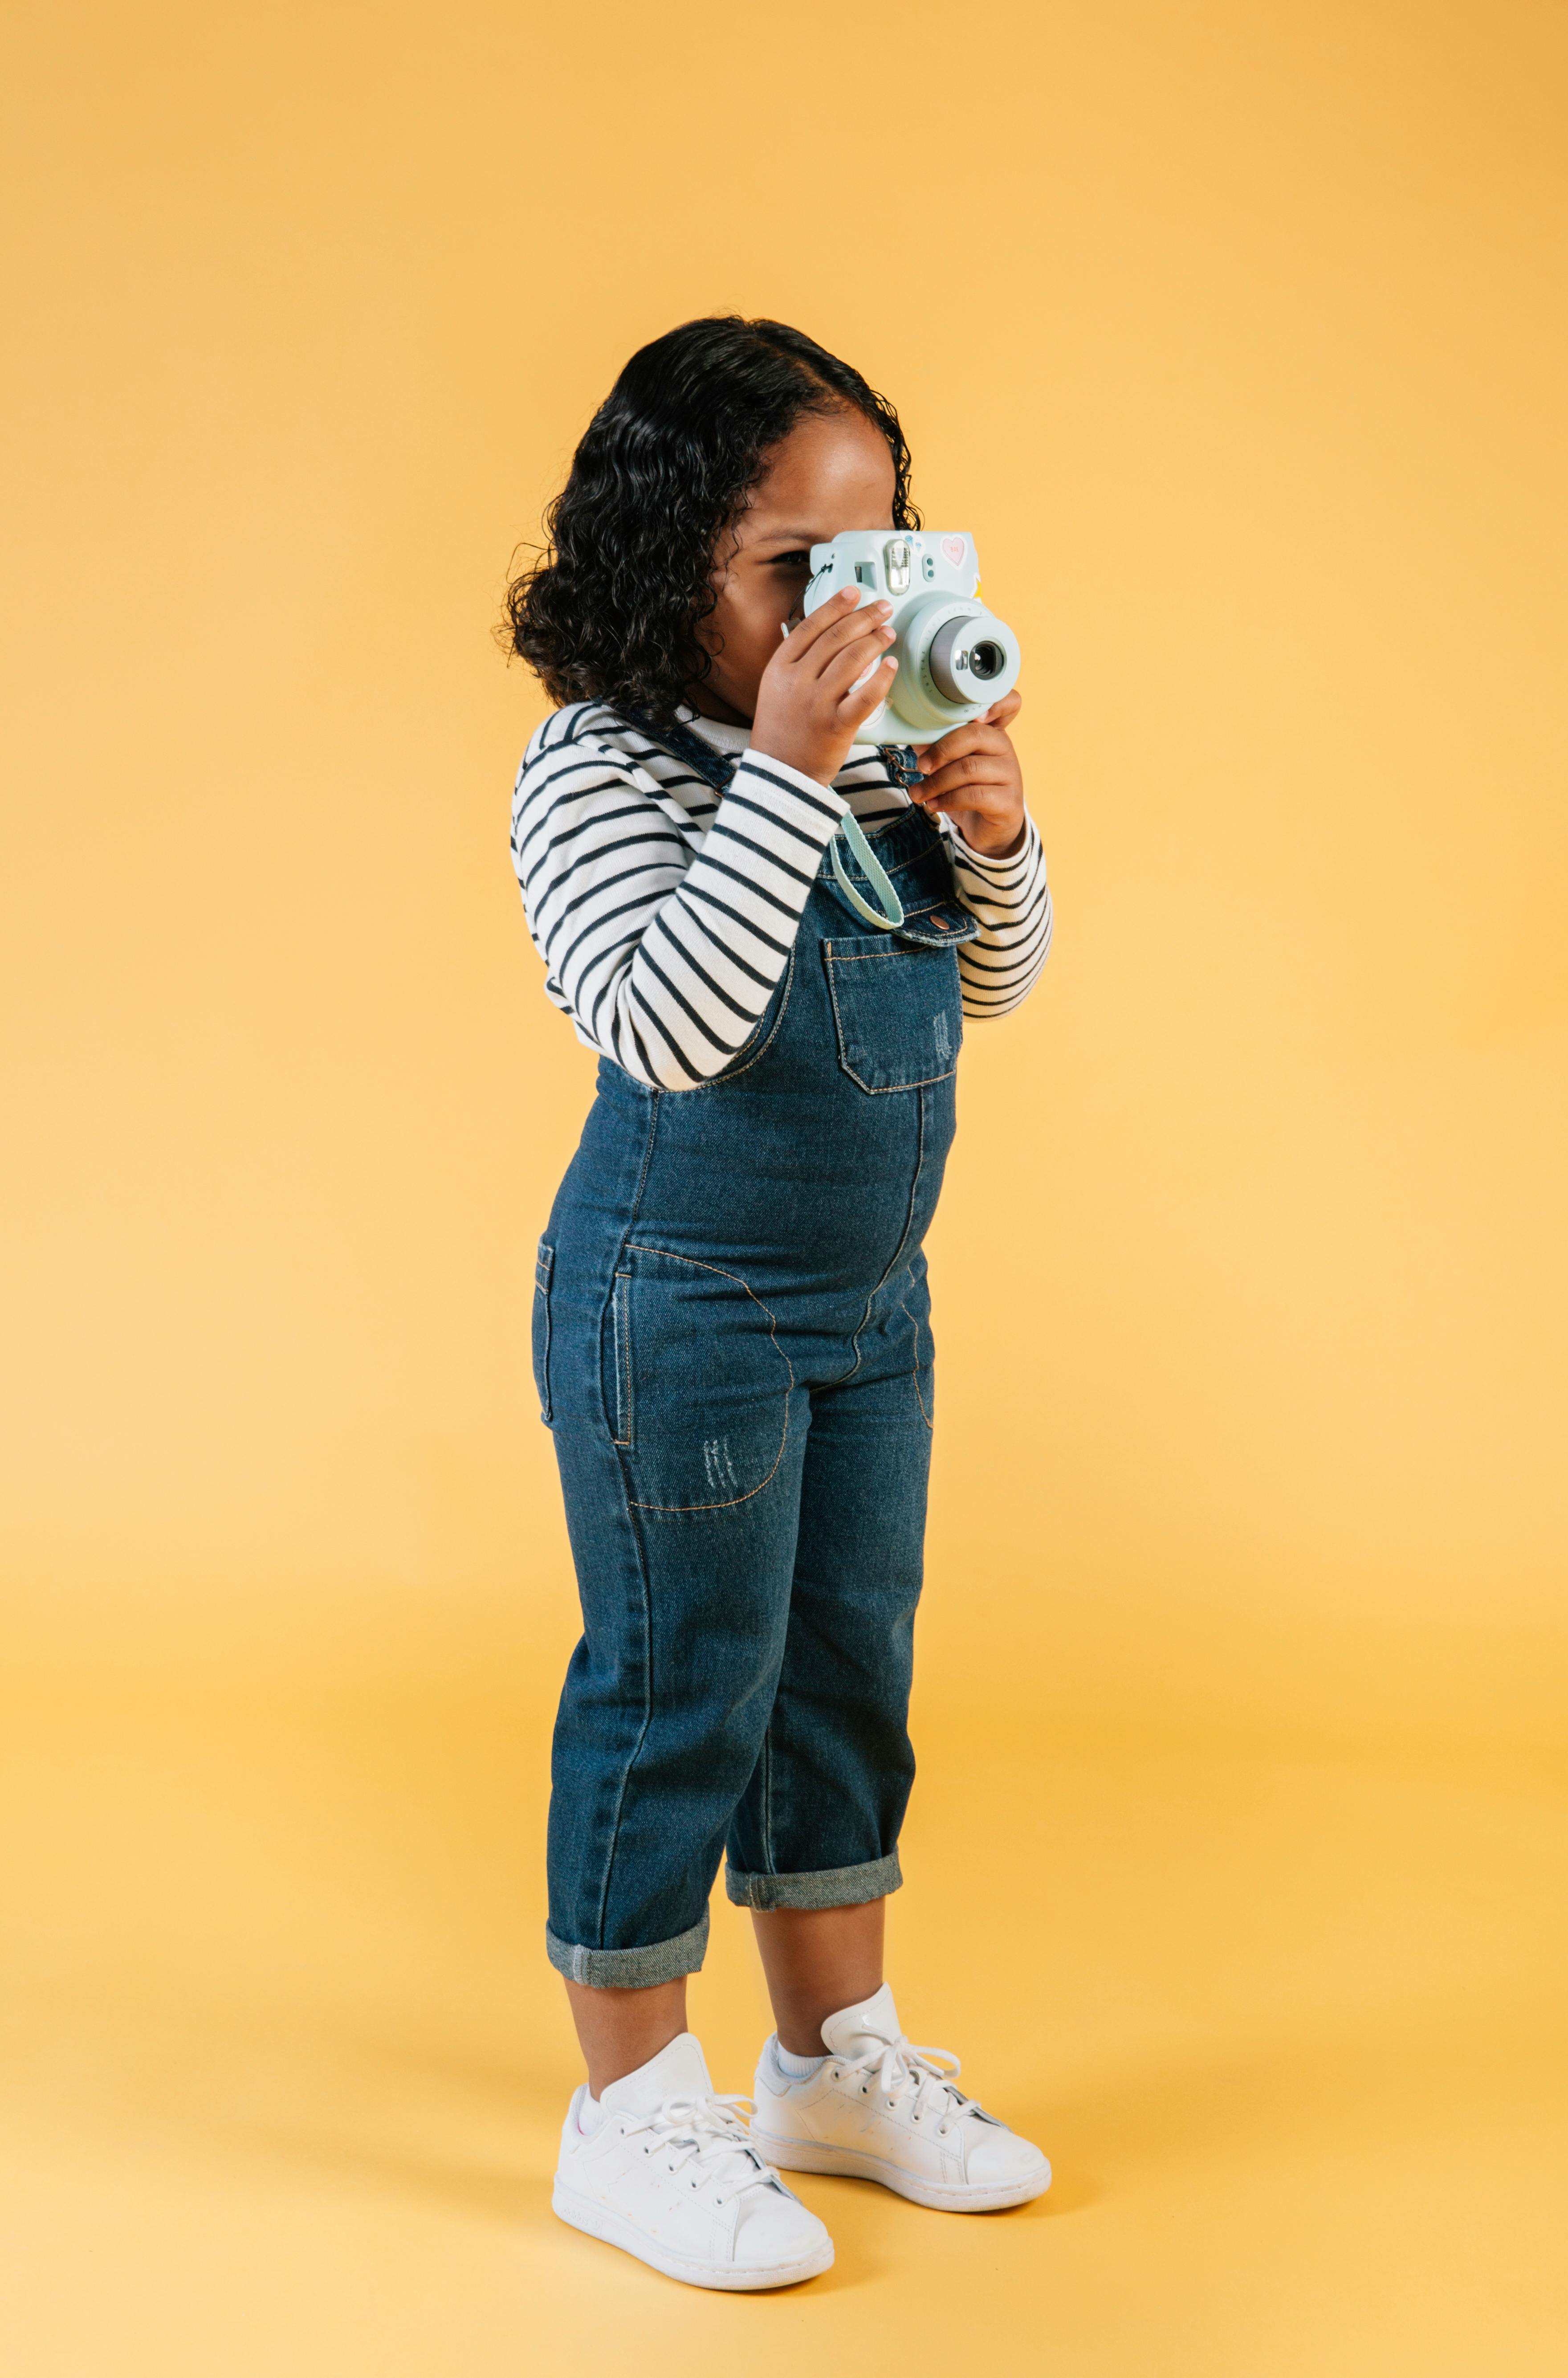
(954, 550)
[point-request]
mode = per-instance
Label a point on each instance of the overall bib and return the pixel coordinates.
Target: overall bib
(732, 1347)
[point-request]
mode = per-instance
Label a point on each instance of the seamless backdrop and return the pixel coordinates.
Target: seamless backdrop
(1236, 335)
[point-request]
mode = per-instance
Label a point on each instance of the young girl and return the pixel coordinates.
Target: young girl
(731, 1333)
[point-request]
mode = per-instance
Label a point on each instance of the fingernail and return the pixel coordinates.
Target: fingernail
(885, 610)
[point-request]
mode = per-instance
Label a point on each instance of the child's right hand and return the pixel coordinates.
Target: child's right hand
(806, 714)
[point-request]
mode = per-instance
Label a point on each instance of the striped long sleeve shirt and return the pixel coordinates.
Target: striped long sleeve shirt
(665, 913)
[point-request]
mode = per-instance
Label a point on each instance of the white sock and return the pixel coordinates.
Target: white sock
(797, 2068)
(590, 2114)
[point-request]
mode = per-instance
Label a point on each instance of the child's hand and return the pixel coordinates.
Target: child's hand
(806, 713)
(973, 774)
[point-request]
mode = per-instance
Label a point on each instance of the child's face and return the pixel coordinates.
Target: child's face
(834, 472)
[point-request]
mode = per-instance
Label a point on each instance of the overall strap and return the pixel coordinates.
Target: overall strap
(682, 743)
(717, 769)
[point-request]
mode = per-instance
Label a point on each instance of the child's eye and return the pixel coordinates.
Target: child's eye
(801, 560)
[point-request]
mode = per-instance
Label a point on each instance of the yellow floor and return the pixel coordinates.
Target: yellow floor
(282, 2062)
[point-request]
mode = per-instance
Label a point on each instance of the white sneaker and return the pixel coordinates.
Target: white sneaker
(670, 2175)
(879, 2108)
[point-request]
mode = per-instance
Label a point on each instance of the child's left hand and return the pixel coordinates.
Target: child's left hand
(973, 774)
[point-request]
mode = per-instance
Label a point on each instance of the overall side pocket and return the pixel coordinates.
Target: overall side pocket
(543, 1265)
(699, 1353)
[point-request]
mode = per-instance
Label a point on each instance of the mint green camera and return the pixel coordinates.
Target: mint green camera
(955, 657)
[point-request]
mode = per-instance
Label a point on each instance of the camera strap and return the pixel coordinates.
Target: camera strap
(899, 760)
(892, 915)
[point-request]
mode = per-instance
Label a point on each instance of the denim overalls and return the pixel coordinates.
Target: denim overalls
(732, 1347)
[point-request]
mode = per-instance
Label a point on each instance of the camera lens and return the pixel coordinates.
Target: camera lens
(969, 655)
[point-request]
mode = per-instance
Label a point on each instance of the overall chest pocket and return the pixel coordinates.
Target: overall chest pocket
(897, 1011)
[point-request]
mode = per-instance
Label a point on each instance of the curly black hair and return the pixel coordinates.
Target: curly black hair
(610, 612)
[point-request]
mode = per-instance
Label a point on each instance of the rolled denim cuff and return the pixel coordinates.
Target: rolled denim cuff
(630, 1969)
(830, 1886)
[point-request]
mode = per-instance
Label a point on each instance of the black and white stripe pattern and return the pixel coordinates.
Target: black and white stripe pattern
(666, 916)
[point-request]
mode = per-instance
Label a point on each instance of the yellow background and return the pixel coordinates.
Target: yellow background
(1236, 334)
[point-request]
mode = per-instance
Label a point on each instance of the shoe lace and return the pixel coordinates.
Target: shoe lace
(709, 2134)
(898, 2066)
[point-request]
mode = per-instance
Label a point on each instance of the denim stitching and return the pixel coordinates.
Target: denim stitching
(669, 1257)
(620, 1324)
(631, 1224)
(733, 1072)
(543, 1265)
(768, 1796)
(647, 1707)
(903, 1240)
(647, 1158)
(928, 1417)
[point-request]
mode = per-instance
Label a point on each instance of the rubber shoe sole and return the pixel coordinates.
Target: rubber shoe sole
(615, 2229)
(853, 2163)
